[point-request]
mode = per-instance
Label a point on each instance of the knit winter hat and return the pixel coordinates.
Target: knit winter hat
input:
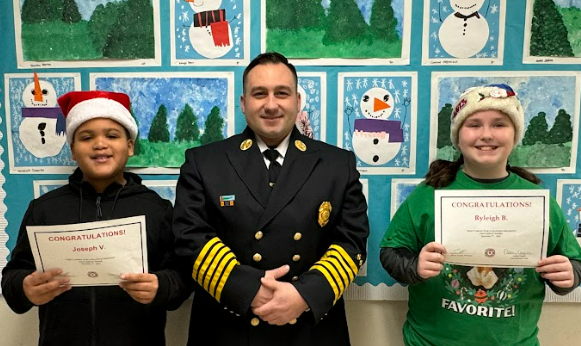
(81, 106)
(498, 97)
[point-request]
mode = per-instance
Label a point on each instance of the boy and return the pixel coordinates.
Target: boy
(101, 133)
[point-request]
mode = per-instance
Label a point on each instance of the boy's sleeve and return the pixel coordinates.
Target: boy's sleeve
(21, 265)
(174, 285)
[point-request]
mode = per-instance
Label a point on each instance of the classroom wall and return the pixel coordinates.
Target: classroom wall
(372, 322)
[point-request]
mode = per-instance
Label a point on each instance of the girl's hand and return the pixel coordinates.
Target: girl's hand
(558, 270)
(431, 260)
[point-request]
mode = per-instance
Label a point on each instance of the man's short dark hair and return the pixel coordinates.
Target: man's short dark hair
(268, 58)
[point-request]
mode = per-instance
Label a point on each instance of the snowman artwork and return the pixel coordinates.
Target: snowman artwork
(42, 130)
(210, 33)
(303, 123)
(377, 140)
(464, 33)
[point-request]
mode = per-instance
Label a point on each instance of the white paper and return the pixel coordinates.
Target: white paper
(493, 228)
(92, 253)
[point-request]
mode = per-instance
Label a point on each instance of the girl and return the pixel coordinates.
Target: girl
(487, 122)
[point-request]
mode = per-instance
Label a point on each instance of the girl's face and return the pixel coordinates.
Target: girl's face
(486, 139)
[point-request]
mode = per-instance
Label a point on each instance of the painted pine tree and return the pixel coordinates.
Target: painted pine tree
(158, 132)
(187, 129)
(548, 33)
(382, 22)
(537, 131)
(213, 127)
(562, 130)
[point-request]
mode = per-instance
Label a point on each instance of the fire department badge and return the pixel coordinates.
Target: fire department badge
(324, 213)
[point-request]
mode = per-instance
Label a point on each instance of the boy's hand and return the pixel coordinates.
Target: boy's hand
(431, 260)
(140, 286)
(558, 270)
(41, 288)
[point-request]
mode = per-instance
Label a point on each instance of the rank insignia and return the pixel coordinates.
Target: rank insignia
(324, 213)
(246, 144)
(227, 201)
(300, 145)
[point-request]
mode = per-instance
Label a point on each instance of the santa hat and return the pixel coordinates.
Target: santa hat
(81, 106)
(498, 97)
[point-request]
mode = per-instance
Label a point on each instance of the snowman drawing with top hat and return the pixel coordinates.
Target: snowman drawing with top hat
(465, 32)
(42, 130)
(210, 33)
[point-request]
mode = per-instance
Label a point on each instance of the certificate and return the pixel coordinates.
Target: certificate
(493, 228)
(92, 253)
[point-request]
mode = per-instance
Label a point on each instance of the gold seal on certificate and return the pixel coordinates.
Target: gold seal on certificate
(92, 253)
(492, 228)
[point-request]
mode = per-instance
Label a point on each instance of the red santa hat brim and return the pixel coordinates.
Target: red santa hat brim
(82, 106)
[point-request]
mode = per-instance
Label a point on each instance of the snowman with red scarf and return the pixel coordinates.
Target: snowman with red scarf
(210, 33)
(464, 33)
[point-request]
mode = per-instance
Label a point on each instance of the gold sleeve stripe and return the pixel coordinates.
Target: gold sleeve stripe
(335, 274)
(209, 245)
(338, 268)
(344, 266)
(213, 266)
(339, 272)
(330, 279)
(224, 277)
(220, 268)
(207, 261)
(345, 256)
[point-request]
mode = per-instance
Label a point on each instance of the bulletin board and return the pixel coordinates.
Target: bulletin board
(184, 59)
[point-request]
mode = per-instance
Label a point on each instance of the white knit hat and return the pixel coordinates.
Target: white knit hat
(81, 106)
(498, 97)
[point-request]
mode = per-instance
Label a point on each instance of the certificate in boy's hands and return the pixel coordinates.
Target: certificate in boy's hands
(492, 228)
(92, 253)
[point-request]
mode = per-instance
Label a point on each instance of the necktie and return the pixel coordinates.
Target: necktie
(274, 168)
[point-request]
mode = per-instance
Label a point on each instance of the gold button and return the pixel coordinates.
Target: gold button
(298, 236)
(295, 278)
(296, 258)
(257, 257)
(255, 321)
(293, 321)
(258, 235)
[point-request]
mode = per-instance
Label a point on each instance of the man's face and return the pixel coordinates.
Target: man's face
(270, 102)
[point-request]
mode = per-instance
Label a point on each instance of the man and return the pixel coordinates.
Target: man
(272, 255)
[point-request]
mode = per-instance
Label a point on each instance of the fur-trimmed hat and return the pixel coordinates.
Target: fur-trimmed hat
(498, 97)
(81, 106)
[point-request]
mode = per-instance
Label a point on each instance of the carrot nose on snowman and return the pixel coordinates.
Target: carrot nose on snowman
(379, 105)
(37, 89)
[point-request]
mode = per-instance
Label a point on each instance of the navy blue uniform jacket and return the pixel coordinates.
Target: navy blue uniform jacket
(231, 228)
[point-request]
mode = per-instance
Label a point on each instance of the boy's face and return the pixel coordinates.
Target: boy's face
(101, 148)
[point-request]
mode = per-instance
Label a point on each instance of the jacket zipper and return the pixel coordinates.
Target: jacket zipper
(98, 217)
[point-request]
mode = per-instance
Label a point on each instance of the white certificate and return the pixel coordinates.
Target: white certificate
(493, 228)
(92, 253)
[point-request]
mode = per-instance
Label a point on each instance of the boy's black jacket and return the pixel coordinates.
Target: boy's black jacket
(103, 315)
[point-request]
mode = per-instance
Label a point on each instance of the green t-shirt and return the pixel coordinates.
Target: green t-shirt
(449, 309)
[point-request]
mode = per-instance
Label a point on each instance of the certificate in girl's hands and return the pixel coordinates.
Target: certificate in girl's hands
(92, 253)
(493, 228)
